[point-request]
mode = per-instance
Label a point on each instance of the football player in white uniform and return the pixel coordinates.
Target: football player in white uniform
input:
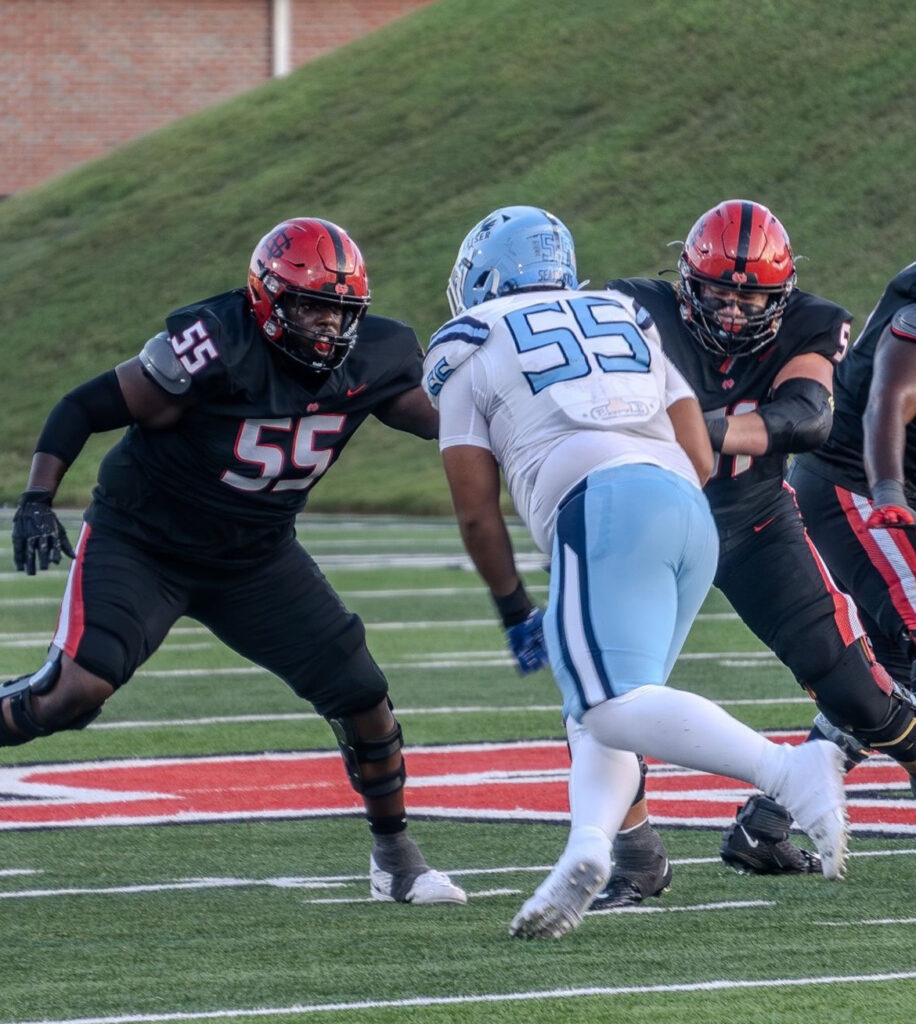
(604, 449)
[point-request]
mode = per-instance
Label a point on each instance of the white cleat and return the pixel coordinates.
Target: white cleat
(813, 792)
(560, 901)
(426, 889)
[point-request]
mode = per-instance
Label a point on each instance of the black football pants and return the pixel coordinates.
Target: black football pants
(876, 567)
(282, 614)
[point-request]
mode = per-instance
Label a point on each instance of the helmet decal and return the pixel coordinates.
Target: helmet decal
(304, 265)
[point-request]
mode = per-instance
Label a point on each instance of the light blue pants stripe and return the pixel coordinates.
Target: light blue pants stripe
(633, 559)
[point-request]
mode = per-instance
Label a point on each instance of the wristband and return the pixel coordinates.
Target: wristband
(889, 492)
(514, 607)
(717, 427)
(38, 494)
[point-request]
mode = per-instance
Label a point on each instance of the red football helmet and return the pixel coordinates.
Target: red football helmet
(736, 247)
(302, 263)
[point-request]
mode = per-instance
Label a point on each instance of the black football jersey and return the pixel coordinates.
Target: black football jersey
(840, 459)
(226, 482)
(742, 487)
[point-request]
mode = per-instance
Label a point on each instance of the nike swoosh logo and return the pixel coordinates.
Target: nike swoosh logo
(764, 524)
(752, 843)
(355, 391)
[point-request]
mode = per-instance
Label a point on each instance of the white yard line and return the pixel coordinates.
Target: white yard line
(607, 991)
(468, 709)
(41, 639)
(456, 660)
(338, 881)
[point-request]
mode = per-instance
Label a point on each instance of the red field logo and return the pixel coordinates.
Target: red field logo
(479, 781)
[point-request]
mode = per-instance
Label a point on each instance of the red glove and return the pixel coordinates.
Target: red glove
(889, 507)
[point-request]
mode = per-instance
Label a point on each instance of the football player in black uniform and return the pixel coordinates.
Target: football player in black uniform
(857, 492)
(234, 412)
(760, 355)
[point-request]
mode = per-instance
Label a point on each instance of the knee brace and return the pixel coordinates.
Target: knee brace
(880, 713)
(895, 735)
(16, 694)
(356, 752)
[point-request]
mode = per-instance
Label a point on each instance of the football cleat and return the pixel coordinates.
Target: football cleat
(427, 888)
(641, 869)
(811, 788)
(757, 842)
(559, 903)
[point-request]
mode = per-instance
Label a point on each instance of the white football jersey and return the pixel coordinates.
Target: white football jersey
(556, 384)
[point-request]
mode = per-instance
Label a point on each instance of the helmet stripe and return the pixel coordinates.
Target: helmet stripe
(339, 251)
(744, 236)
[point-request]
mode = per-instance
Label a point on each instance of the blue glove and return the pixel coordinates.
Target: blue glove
(526, 641)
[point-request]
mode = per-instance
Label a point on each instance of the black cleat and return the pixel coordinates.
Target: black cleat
(641, 870)
(757, 843)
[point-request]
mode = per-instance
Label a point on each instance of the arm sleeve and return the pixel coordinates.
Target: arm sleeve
(93, 407)
(460, 419)
(798, 416)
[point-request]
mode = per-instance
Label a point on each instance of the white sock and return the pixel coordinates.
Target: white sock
(686, 729)
(602, 782)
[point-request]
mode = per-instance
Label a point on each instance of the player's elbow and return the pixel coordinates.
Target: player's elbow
(799, 417)
(471, 523)
(813, 432)
(703, 462)
(478, 524)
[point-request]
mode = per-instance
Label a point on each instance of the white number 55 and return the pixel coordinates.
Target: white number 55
(194, 339)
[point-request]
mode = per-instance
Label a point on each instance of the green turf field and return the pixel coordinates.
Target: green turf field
(268, 918)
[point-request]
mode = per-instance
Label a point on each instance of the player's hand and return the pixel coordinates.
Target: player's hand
(37, 533)
(890, 509)
(526, 641)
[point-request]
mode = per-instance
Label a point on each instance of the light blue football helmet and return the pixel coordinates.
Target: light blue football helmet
(516, 248)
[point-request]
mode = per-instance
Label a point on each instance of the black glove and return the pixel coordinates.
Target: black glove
(36, 530)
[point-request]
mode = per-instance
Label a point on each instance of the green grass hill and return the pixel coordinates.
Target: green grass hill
(625, 119)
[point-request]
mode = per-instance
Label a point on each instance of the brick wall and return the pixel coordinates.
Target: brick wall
(80, 77)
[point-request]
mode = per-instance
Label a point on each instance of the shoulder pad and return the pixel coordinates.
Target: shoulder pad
(903, 324)
(465, 329)
(162, 365)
